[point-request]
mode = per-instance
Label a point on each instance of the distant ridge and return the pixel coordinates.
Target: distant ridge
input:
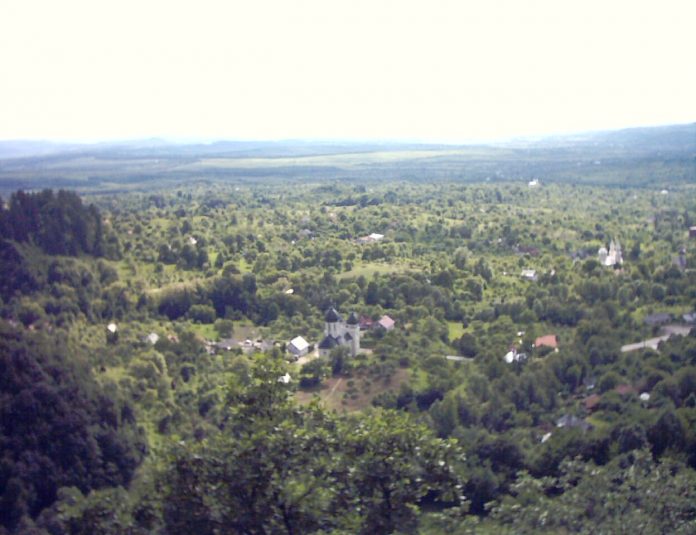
(681, 137)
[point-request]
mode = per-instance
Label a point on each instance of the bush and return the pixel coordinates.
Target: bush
(202, 313)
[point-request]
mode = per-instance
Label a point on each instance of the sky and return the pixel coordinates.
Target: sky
(430, 70)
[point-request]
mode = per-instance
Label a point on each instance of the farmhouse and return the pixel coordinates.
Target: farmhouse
(298, 346)
(386, 323)
(529, 274)
(371, 238)
(548, 340)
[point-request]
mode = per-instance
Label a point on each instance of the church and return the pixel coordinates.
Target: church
(611, 257)
(340, 333)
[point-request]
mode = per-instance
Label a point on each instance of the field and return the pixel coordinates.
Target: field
(348, 394)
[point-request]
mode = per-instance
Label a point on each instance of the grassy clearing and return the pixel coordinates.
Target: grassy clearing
(455, 330)
(205, 330)
(368, 269)
(350, 394)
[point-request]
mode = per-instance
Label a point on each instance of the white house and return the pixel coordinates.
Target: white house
(153, 338)
(529, 274)
(298, 346)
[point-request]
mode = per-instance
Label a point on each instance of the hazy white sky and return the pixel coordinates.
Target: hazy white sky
(408, 69)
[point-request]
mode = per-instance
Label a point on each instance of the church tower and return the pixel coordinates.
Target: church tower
(333, 323)
(352, 335)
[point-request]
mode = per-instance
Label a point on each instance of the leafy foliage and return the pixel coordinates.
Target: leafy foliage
(56, 428)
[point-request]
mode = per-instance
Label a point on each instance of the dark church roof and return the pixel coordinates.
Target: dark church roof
(332, 316)
(328, 343)
(347, 337)
(353, 319)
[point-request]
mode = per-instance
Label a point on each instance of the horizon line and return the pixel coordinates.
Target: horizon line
(208, 140)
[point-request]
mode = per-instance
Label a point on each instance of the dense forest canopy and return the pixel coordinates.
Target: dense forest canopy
(526, 360)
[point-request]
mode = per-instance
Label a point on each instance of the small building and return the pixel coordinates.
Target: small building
(591, 402)
(386, 323)
(690, 317)
(371, 238)
(365, 323)
(227, 344)
(692, 232)
(111, 333)
(568, 420)
(657, 319)
(298, 346)
(513, 356)
(153, 338)
(548, 340)
(529, 274)
(624, 389)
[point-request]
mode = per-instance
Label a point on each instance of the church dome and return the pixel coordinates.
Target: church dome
(353, 319)
(332, 316)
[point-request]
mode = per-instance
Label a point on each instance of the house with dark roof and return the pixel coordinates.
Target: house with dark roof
(571, 421)
(591, 402)
(657, 319)
(366, 323)
(340, 333)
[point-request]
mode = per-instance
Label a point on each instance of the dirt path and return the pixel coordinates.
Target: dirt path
(307, 358)
(335, 386)
(652, 343)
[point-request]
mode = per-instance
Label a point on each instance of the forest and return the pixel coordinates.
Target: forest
(526, 359)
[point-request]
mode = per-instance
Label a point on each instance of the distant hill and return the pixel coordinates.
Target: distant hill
(647, 157)
(657, 138)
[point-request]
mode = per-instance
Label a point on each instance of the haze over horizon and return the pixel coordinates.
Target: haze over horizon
(441, 71)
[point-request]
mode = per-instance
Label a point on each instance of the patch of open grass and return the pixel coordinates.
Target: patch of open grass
(455, 329)
(367, 269)
(205, 330)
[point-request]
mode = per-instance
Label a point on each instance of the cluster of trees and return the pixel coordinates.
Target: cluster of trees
(56, 222)
(58, 428)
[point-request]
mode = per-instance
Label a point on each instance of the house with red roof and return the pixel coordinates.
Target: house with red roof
(548, 340)
(386, 323)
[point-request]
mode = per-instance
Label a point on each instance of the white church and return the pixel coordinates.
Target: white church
(340, 333)
(611, 257)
